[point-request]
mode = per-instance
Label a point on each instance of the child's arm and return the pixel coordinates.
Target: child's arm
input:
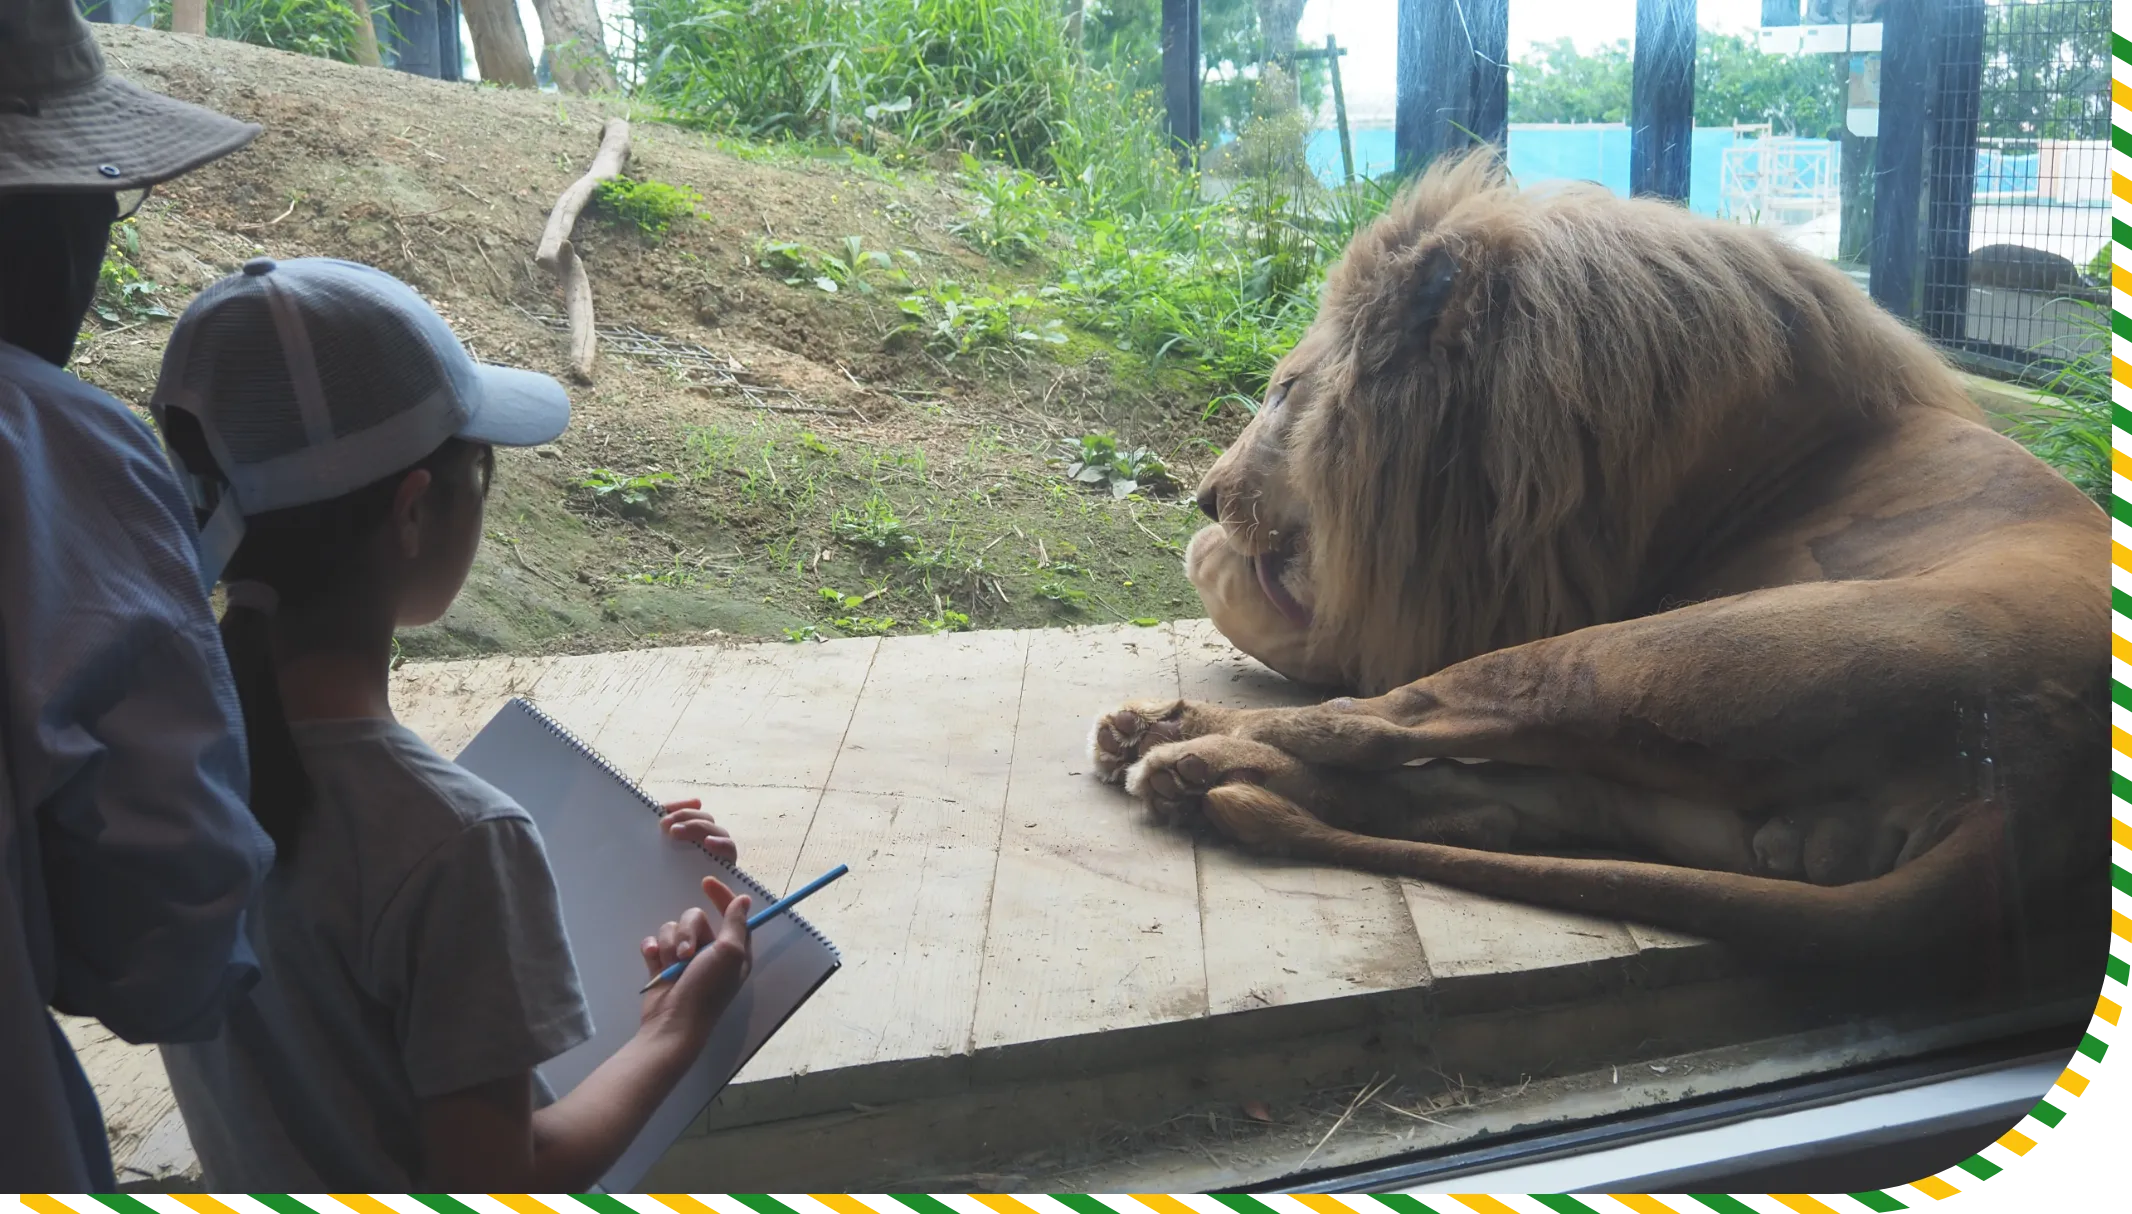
(489, 1138)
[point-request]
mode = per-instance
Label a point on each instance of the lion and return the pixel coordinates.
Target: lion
(1698, 559)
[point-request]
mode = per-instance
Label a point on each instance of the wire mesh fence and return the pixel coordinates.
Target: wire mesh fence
(2016, 226)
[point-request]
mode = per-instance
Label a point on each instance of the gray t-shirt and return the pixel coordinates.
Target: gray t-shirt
(412, 947)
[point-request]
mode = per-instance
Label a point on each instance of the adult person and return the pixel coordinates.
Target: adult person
(127, 857)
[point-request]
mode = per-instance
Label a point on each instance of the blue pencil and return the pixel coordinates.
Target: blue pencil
(755, 920)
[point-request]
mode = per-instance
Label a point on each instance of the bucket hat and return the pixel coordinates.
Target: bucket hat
(66, 126)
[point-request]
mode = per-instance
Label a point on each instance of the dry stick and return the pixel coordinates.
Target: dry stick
(577, 305)
(1170, 545)
(1367, 1092)
(501, 282)
(527, 565)
(1411, 1113)
(557, 256)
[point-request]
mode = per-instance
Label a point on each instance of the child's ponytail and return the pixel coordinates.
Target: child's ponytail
(288, 559)
(281, 792)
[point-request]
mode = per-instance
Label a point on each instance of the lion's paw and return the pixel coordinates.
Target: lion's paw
(1118, 739)
(1175, 778)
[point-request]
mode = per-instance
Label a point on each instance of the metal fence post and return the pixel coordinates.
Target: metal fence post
(1899, 157)
(1454, 78)
(1958, 53)
(1181, 74)
(1662, 99)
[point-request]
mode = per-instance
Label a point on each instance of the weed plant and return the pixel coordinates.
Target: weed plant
(2069, 428)
(649, 206)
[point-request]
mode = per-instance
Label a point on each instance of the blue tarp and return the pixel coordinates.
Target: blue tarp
(1598, 152)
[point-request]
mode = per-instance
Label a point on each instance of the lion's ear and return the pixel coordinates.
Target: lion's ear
(1433, 279)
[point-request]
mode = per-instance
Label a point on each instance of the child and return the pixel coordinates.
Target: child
(337, 441)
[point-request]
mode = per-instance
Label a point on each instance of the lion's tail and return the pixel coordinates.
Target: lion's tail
(1945, 898)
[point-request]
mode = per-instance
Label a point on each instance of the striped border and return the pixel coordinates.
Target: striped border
(1963, 1177)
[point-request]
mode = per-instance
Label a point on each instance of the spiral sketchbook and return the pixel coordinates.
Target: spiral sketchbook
(619, 878)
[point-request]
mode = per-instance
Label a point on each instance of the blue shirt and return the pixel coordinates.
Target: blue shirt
(127, 854)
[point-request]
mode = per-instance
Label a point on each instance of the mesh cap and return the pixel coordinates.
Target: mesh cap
(314, 377)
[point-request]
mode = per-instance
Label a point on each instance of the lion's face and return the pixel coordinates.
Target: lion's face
(1252, 568)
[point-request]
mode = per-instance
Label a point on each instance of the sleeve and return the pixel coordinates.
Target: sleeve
(471, 954)
(121, 725)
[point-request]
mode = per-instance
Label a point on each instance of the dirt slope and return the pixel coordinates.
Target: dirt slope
(448, 187)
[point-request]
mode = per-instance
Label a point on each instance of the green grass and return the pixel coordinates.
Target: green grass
(857, 539)
(995, 75)
(2068, 427)
(322, 28)
(649, 206)
(1072, 177)
(124, 295)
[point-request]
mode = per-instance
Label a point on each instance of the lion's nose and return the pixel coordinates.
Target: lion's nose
(1210, 505)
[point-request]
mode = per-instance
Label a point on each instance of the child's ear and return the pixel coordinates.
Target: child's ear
(410, 507)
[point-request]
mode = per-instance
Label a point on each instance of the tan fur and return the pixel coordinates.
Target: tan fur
(1671, 517)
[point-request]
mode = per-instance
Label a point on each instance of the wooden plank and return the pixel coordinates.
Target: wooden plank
(1663, 940)
(775, 717)
(1095, 910)
(447, 703)
(910, 921)
(141, 1118)
(654, 698)
(1666, 958)
(582, 691)
(1277, 932)
(936, 718)
(1501, 952)
(914, 807)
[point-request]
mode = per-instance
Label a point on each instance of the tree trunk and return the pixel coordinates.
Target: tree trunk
(499, 42)
(1277, 22)
(577, 49)
(1073, 23)
(188, 17)
(366, 35)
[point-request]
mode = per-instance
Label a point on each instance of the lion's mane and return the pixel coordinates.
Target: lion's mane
(1535, 406)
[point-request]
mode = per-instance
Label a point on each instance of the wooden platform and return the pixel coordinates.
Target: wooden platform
(1007, 916)
(1000, 896)
(1027, 958)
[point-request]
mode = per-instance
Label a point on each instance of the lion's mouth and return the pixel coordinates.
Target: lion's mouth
(1269, 566)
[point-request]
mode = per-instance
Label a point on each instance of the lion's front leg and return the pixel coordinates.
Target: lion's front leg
(1345, 732)
(1184, 782)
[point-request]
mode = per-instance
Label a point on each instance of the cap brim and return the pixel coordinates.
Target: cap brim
(111, 135)
(517, 408)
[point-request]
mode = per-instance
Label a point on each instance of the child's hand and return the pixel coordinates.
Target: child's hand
(687, 821)
(692, 1003)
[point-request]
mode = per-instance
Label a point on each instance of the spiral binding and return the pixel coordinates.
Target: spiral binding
(754, 887)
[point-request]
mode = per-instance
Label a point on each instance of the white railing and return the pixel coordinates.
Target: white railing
(1779, 180)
